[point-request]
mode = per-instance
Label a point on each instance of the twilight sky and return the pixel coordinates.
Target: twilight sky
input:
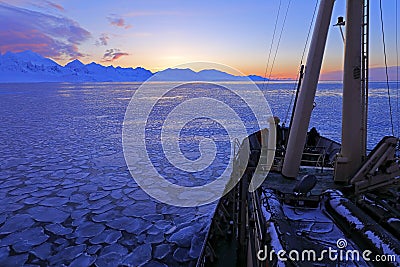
(157, 34)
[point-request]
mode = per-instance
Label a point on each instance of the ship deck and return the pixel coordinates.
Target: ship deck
(324, 177)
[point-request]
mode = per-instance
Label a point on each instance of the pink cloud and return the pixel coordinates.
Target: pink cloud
(113, 54)
(118, 55)
(48, 35)
(56, 6)
(118, 21)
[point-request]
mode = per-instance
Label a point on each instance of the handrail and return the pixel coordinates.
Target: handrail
(320, 157)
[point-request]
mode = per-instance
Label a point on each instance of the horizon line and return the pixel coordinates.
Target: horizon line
(333, 72)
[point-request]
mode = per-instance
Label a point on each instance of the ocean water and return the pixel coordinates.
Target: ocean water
(327, 113)
(68, 197)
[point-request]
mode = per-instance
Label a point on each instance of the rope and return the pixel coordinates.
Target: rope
(301, 60)
(272, 43)
(386, 67)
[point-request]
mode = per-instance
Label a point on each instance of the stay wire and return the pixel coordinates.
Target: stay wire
(386, 66)
(279, 41)
(397, 74)
(272, 44)
(301, 61)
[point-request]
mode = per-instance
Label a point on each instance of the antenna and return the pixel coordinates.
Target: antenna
(340, 23)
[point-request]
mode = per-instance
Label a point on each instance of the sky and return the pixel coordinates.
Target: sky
(158, 34)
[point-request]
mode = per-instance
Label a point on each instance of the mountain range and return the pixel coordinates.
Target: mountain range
(375, 74)
(29, 66)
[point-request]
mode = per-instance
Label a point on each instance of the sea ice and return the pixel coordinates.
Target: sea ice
(58, 229)
(183, 237)
(25, 240)
(43, 251)
(89, 229)
(139, 256)
(108, 237)
(16, 223)
(181, 255)
(162, 250)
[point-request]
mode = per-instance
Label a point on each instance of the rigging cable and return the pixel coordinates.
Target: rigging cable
(301, 60)
(279, 41)
(397, 76)
(386, 66)
(272, 43)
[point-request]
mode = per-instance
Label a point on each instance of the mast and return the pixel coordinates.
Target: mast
(302, 114)
(352, 151)
(365, 72)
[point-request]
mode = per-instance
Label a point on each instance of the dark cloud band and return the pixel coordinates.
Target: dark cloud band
(49, 35)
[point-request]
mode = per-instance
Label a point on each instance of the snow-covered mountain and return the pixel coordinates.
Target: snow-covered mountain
(376, 74)
(28, 66)
(203, 75)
